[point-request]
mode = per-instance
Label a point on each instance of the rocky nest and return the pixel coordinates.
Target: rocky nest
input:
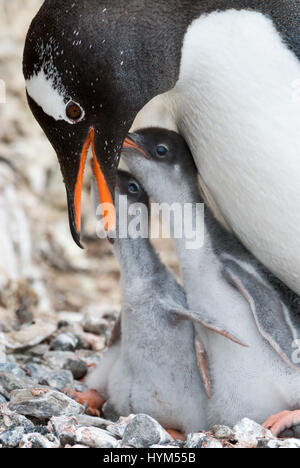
(36, 413)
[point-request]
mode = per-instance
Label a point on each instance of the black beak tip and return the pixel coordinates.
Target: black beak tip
(74, 232)
(76, 238)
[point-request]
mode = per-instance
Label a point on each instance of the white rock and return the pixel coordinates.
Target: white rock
(247, 432)
(64, 427)
(36, 440)
(202, 440)
(94, 323)
(43, 403)
(290, 443)
(94, 437)
(32, 335)
(223, 432)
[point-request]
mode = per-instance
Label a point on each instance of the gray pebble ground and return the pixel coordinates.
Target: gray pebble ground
(35, 413)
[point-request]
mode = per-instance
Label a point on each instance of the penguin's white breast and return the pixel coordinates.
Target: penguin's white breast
(238, 106)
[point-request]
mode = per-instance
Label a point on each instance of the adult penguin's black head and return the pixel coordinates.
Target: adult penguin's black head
(90, 66)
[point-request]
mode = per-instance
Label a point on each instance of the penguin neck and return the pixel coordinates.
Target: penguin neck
(138, 261)
(192, 250)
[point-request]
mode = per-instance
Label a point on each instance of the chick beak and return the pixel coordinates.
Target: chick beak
(132, 141)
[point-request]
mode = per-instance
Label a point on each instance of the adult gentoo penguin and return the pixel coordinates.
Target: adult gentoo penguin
(230, 71)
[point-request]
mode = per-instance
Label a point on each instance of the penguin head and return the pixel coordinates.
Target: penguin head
(132, 208)
(160, 159)
(129, 186)
(87, 76)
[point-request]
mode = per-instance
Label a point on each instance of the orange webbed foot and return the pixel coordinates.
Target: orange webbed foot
(176, 435)
(282, 421)
(91, 399)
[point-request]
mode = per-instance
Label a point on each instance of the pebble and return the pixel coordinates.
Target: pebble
(119, 427)
(12, 437)
(37, 440)
(223, 433)
(12, 369)
(59, 380)
(64, 428)
(10, 419)
(11, 382)
(58, 359)
(78, 368)
(40, 430)
(86, 420)
(37, 372)
(64, 342)
(43, 403)
(39, 350)
(4, 393)
(94, 323)
(94, 437)
(202, 440)
(248, 432)
(143, 431)
(33, 335)
(276, 444)
(290, 443)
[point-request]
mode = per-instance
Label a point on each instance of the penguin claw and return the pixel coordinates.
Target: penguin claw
(91, 399)
(282, 421)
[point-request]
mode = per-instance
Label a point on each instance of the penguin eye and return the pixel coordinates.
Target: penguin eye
(161, 150)
(133, 188)
(74, 111)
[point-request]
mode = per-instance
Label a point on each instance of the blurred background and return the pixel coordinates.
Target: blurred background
(42, 272)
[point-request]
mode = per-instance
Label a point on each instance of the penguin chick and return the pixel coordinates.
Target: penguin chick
(225, 281)
(154, 367)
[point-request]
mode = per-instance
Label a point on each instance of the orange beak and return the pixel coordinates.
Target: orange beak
(131, 144)
(103, 190)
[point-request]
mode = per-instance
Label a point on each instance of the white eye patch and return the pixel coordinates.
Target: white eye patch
(51, 99)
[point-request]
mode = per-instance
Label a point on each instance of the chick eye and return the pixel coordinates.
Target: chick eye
(74, 111)
(161, 150)
(133, 188)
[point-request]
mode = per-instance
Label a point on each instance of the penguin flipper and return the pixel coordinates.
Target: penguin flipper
(208, 322)
(202, 363)
(270, 314)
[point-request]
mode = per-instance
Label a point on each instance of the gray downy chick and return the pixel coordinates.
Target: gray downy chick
(153, 366)
(227, 283)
